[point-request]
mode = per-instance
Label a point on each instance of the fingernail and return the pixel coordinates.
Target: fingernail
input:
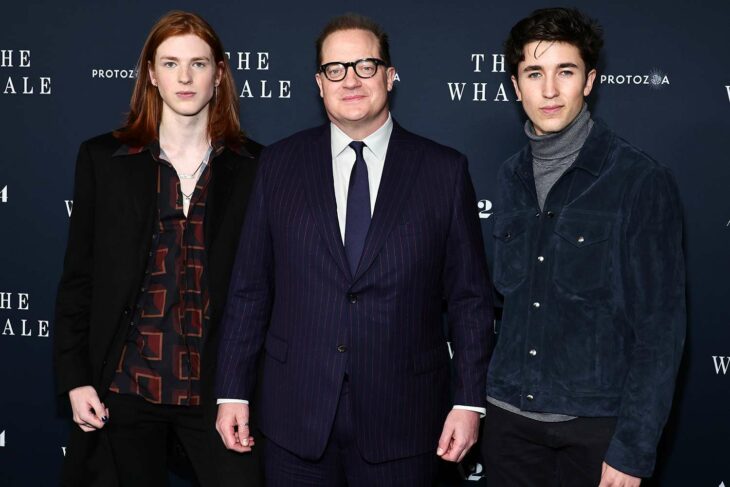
(439, 451)
(245, 442)
(104, 419)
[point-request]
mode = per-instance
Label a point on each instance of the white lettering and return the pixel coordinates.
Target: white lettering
(396, 77)
(6, 58)
(477, 58)
(727, 88)
(246, 91)
(23, 301)
(5, 300)
(243, 60)
(63, 450)
(721, 363)
(456, 89)
(26, 91)
(480, 92)
(263, 90)
(263, 61)
(501, 93)
(2, 439)
(476, 475)
(484, 207)
(69, 206)
(23, 331)
(4, 195)
(451, 350)
(8, 330)
(497, 63)
(43, 328)
(24, 58)
(284, 89)
(9, 87)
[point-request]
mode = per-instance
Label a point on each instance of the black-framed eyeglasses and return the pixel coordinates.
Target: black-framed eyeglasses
(364, 68)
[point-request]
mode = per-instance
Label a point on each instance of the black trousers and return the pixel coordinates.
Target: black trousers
(342, 464)
(139, 434)
(519, 451)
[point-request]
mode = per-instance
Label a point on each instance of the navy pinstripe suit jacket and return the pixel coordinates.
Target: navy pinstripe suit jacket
(292, 292)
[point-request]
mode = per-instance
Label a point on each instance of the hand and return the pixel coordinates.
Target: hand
(610, 477)
(88, 411)
(232, 425)
(461, 430)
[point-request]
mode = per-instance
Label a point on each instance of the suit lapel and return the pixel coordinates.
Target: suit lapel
(141, 182)
(399, 172)
(320, 195)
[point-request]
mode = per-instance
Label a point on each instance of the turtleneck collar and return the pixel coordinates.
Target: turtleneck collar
(559, 146)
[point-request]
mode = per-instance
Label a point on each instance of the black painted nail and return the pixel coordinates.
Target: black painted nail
(104, 419)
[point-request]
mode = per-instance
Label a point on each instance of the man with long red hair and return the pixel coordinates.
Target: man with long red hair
(158, 208)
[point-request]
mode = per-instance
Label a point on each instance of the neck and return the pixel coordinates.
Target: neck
(357, 131)
(179, 132)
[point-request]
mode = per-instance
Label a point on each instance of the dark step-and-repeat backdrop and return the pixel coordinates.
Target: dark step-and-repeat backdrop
(66, 74)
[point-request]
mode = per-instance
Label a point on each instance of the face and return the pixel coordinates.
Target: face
(551, 83)
(185, 74)
(357, 106)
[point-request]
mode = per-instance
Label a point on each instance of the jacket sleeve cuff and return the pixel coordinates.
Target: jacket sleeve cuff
(630, 460)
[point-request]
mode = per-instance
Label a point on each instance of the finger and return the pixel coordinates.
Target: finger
(464, 453)
(97, 413)
(445, 439)
(455, 450)
(86, 429)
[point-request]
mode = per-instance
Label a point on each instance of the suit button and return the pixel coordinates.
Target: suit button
(550, 214)
(341, 348)
(125, 311)
(352, 297)
(533, 352)
(530, 397)
(535, 304)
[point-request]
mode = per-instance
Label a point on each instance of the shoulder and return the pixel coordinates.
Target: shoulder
(299, 140)
(102, 145)
(432, 151)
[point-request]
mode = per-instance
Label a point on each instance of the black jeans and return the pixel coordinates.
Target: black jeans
(139, 434)
(519, 451)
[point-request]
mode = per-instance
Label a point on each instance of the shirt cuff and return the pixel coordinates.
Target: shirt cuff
(235, 401)
(482, 411)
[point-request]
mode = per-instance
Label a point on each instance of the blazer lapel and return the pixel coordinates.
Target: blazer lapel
(320, 194)
(399, 172)
(219, 191)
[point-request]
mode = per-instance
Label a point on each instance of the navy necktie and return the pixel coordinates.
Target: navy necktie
(357, 220)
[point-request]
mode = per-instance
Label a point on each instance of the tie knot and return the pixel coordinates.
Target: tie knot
(357, 146)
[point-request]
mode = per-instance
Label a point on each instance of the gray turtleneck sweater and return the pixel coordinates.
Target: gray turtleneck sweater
(552, 155)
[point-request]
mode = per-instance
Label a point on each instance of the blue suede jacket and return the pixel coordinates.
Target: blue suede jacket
(594, 310)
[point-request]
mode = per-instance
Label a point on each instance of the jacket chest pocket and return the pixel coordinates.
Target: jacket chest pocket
(510, 253)
(581, 253)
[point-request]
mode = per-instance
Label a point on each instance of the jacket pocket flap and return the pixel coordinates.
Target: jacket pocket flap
(276, 347)
(582, 233)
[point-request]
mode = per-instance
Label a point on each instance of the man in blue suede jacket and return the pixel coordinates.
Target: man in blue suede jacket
(588, 257)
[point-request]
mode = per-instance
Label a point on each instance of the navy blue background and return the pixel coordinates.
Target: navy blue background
(683, 124)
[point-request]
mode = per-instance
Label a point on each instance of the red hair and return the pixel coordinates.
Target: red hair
(145, 108)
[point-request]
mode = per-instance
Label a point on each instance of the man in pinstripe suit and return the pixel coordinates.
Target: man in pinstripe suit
(355, 233)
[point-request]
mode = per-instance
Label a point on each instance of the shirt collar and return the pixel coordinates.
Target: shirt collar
(377, 142)
(154, 148)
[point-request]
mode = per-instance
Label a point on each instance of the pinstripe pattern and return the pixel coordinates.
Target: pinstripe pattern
(292, 293)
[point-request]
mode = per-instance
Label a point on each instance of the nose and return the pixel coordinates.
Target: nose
(184, 75)
(549, 88)
(352, 80)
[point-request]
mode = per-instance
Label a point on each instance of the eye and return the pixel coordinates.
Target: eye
(169, 64)
(534, 75)
(566, 73)
(199, 64)
(334, 71)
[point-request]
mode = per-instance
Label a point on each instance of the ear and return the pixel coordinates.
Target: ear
(219, 73)
(390, 77)
(151, 73)
(517, 88)
(589, 82)
(318, 79)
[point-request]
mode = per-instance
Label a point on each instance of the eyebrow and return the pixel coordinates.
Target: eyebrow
(537, 67)
(173, 58)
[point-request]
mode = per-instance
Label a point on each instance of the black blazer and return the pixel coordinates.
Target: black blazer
(109, 241)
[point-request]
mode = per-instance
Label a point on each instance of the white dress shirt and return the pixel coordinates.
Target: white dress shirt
(343, 159)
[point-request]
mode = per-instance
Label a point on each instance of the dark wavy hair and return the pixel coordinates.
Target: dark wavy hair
(350, 21)
(559, 25)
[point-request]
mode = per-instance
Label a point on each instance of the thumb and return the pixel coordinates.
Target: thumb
(445, 439)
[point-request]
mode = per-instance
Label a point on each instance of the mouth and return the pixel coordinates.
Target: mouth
(551, 109)
(185, 94)
(352, 98)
